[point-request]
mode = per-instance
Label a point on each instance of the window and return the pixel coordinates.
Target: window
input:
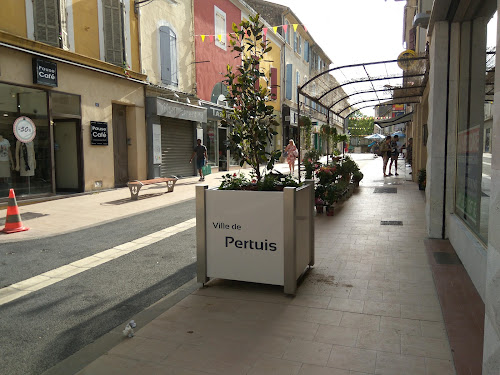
(168, 57)
(220, 28)
(47, 25)
(294, 41)
(113, 32)
(306, 50)
(288, 87)
(297, 78)
(299, 45)
(287, 33)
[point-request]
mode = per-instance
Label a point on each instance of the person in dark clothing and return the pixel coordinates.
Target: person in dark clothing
(394, 155)
(385, 151)
(200, 152)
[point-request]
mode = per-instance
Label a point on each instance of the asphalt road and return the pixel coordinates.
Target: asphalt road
(44, 327)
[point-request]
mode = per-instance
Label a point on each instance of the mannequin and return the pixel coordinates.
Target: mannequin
(6, 161)
(25, 159)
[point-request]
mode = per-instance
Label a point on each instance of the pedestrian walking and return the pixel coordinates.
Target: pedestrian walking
(394, 155)
(292, 154)
(385, 152)
(200, 151)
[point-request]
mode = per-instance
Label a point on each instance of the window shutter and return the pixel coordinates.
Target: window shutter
(306, 51)
(168, 51)
(294, 41)
(274, 83)
(47, 21)
(289, 76)
(113, 32)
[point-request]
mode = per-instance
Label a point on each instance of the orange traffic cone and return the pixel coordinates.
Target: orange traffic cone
(13, 222)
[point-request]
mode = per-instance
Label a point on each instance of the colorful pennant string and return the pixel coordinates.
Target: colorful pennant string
(264, 31)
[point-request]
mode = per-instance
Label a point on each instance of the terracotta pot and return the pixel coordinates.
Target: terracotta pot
(329, 210)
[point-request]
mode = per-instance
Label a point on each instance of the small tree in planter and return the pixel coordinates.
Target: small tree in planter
(279, 221)
(252, 120)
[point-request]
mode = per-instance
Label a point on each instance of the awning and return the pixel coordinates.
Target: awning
(345, 89)
(394, 121)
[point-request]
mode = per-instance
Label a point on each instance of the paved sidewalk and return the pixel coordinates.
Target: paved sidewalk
(369, 305)
(80, 211)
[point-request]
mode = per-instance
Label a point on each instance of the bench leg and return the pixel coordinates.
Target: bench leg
(134, 191)
(170, 185)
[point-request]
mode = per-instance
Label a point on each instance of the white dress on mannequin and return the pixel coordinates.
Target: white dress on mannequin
(5, 158)
(25, 159)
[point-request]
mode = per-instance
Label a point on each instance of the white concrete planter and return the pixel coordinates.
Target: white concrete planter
(255, 236)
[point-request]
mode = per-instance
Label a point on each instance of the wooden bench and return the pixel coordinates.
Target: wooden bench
(135, 186)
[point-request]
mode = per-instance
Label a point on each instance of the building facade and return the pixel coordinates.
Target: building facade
(456, 131)
(174, 117)
(72, 96)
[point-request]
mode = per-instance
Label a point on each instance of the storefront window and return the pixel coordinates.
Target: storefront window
(473, 179)
(211, 141)
(25, 166)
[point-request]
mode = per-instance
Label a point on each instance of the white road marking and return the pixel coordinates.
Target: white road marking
(22, 288)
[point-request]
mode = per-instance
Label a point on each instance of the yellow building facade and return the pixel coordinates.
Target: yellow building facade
(72, 114)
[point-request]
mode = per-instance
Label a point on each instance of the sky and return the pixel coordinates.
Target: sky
(356, 31)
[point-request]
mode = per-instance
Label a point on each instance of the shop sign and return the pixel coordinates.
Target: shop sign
(156, 144)
(98, 133)
(44, 72)
(244, 236)
(24, 129)
(170, 108)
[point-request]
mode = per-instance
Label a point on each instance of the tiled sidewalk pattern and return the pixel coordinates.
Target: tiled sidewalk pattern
(369, 306)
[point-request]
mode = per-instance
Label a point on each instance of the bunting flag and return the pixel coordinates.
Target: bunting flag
(264, 31)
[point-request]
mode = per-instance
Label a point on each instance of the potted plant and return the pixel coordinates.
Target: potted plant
(422, 179)
(256, 228)
(327, 174)
(333, 192)
(319, 198)
(357, 176)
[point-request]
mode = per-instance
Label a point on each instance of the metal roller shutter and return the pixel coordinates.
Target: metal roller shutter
(177, 143)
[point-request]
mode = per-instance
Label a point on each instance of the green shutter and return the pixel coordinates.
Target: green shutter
(113, 32)
(47, 27)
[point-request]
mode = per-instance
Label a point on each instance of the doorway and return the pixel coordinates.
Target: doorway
(120, 145)
(67, 156)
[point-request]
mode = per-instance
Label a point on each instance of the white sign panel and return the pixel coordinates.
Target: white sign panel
(245, 236)
(156, 144)
(24, 129)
